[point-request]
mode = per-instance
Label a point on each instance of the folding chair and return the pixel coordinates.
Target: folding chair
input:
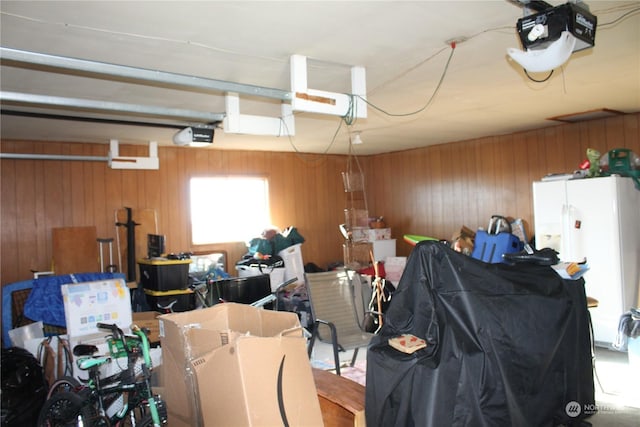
(332, 306)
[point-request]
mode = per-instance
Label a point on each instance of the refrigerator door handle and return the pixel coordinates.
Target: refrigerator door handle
(571, 246)
(565, 241)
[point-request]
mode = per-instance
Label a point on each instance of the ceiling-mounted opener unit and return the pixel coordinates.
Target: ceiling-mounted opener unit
(195, 136)
(552, 34)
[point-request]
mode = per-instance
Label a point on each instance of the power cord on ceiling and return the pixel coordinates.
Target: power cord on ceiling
(352, 111)
(538, 81)
(301, 154)
(429, 101)
(351, 116)
(619, 18)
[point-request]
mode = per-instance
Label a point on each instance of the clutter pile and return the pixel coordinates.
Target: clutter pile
(276, 253)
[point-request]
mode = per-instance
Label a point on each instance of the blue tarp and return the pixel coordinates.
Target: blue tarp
(45, 300)
(7, 290)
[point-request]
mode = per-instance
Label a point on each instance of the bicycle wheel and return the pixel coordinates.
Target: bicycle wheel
(64, 384)
(65, 409)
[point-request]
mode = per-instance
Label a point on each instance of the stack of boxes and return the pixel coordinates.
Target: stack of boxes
(166, 284)
(382, 244)
(366, 241)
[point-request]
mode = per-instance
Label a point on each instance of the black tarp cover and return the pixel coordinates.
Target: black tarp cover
(507, 346)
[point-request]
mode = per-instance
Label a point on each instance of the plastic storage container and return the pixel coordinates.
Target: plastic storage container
(170, 301)
(293, 264)
(164, 274)
(245, 290)
(19, 336)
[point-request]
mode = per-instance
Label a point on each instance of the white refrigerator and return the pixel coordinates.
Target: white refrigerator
(597, 219)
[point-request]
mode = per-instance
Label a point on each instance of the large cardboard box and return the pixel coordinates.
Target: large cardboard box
(378, 234)
(236, 365)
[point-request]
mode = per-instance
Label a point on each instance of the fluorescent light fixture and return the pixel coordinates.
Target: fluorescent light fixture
(540, 60)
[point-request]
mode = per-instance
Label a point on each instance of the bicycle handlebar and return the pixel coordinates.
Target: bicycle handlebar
(142, 334)
(111, 327)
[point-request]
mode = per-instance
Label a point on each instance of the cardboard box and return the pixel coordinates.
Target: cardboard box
(378, 234)
(382, 249)
(394, 267)
(233, 364)
(148, 319)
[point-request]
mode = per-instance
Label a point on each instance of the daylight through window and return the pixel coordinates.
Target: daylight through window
(228, 209)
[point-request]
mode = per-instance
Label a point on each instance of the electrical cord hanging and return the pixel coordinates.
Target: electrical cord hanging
(352, 111)
(429, 101)
(299, 153)
(351, 116)
(619, 18)
(538, 81)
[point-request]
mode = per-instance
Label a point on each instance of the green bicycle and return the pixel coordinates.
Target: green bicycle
(118, 400)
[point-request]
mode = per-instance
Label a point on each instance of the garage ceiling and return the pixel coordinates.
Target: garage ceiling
(404, 47)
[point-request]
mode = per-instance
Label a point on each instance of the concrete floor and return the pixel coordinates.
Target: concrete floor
(617, 390)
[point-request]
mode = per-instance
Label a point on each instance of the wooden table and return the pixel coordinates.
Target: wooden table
(341, 400)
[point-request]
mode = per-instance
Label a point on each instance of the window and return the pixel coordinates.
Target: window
(228, 209)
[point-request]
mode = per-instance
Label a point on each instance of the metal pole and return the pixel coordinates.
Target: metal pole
(20, 156)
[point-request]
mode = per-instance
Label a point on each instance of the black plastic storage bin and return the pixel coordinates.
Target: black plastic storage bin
(245, 290)
(164, 274)
(170, 301)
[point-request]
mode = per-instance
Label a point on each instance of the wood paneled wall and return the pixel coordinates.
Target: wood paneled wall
(37, 195)
(435, 190)
(431, 191)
